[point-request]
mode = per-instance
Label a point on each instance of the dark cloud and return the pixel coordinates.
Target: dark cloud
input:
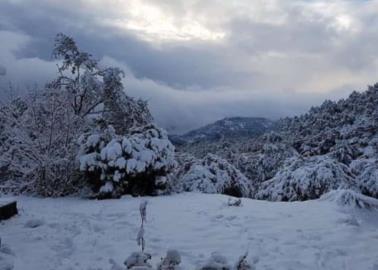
(200, 65)
(198, 61)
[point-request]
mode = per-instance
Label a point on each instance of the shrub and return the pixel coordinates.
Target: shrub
(306, 179)
(126, 164)
(212, 174)
(171, 261)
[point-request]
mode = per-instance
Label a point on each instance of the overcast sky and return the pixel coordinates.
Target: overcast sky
(197, 61)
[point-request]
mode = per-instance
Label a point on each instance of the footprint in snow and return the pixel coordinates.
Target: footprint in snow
(34, 223)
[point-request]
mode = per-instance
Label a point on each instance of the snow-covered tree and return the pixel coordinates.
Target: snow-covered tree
(367, 179)
(126, 164)
(96, 90)
(39, 132)
(118, 107)
(211, 174)
(306, 179)
(332, 145)
(38, 146)
(350, 198)
(79, 76)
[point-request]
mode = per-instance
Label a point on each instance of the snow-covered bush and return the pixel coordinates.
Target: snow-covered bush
(259, 159)
(234, 202)
(262, 159)
(212, 174)
(171, 261)
(138, 261)
(126, 164)
(344, 152)
(306, 179)
(350, 198)
(367, 180)
(38, 149)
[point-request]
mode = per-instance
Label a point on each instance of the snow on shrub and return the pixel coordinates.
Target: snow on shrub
(121, 161)
(344, 152)
(37, 135)
(350, 198)
(212, 174)
(234, 202)
(368, 178)
(306, 179)
(138, 260)
(171, 261)
(263, 164)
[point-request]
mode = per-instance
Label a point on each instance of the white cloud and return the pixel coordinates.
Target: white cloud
(180, 110)
(153, 21)
(22, 71)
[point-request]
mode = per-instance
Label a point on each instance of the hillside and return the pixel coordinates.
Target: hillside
(332, 146)
(232, 127)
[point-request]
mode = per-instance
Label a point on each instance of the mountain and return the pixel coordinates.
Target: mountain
(231, 127)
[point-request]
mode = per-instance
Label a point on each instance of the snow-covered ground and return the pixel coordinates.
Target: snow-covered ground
(69, 233)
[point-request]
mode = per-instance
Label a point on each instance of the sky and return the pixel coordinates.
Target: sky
(197, 61)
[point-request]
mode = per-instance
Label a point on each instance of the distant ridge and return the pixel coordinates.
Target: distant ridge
(230, 127)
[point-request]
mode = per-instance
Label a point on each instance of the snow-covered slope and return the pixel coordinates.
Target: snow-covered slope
(334, 145)
(70, 233)
(226, 128)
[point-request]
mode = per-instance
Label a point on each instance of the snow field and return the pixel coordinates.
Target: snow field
(71, 233)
